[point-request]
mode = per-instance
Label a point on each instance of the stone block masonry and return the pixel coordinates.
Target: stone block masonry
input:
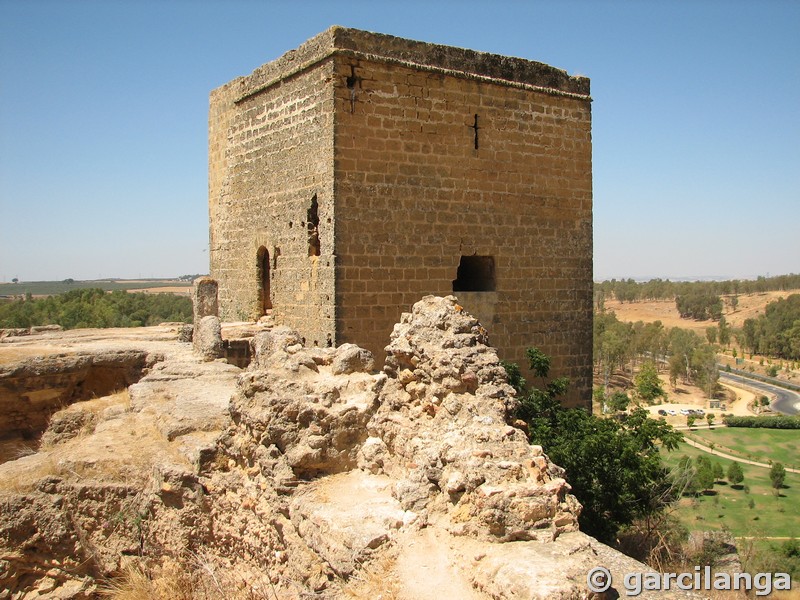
(360, 172)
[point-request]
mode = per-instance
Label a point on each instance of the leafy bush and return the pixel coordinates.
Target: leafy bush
(613, 465)
(777, 475)
(785, 422)
(777, 331)
(92, 307)
(699, 305)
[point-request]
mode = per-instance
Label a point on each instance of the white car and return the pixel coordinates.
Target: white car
(671, 412)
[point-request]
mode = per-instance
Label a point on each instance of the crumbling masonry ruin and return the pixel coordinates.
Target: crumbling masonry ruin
(360, 172)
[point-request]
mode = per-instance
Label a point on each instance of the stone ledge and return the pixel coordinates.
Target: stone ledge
(420, 56)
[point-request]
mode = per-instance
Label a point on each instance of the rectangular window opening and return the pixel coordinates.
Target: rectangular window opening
(475, 274)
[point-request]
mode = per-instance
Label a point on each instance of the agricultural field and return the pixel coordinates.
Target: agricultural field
(49, 288)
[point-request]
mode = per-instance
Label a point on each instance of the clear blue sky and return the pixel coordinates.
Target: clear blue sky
(103, 122)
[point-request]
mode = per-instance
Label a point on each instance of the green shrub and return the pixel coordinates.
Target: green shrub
(783, 422)
(92, 307)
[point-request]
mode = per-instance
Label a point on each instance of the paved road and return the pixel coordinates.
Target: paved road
(786, 401)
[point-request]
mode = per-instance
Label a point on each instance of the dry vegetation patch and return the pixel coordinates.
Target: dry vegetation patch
(193, 577)
(108, 443)
(11, 353)
(648, 311)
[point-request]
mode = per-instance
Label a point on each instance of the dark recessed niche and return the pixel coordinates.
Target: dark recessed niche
(312, 216)
(475, 274)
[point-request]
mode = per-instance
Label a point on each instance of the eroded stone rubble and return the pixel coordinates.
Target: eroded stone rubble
(318, 464)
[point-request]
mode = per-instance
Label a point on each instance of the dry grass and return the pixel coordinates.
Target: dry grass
(20, 476)
(374, 581)
(196, 577)
(92, 409)
(750, 306)
(15, 448)
(11, 352)
(134, 584)
(95, 406)
(77, 458)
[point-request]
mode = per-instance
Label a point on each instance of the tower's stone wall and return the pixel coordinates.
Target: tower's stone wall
(418, 187)
(271, 159)
(436, 171)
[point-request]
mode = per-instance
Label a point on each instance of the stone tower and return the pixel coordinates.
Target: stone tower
(360, 172)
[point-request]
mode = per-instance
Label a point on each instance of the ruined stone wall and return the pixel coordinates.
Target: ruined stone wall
(270, 199)
(432, 166)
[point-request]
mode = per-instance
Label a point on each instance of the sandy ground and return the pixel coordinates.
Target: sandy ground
(160, 337)
(428, 568)
(11, 354)
(750, 306)
(692, 397)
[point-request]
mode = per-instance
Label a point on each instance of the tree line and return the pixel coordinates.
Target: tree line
(686, 356)
(777, 331)
(699, 305)
(629, 290)
(92, 307)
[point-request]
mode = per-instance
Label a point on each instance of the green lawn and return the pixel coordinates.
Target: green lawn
(761, 445)
(729, 507)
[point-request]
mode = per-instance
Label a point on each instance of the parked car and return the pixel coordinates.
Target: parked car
(662, 412)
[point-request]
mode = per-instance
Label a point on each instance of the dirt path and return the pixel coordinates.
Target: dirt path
(745, 461)
(426, 568)
(743, 398)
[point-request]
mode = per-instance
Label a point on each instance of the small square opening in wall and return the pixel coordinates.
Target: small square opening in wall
(475, 274)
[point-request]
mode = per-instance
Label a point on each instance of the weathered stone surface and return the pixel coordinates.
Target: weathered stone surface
(113, 478)
(33, 389)
(207, 338)
(36, 535)
(301, 480)
(36, 329)
(446, 411)
(185, 397)
(537, 571)
(346, 517)
(204, 298)
(185, 333)
(349, 358)
(309, 418)
(264, 346)
(67, 424)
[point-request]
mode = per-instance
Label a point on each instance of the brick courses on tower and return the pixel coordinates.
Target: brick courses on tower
(360, 172)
